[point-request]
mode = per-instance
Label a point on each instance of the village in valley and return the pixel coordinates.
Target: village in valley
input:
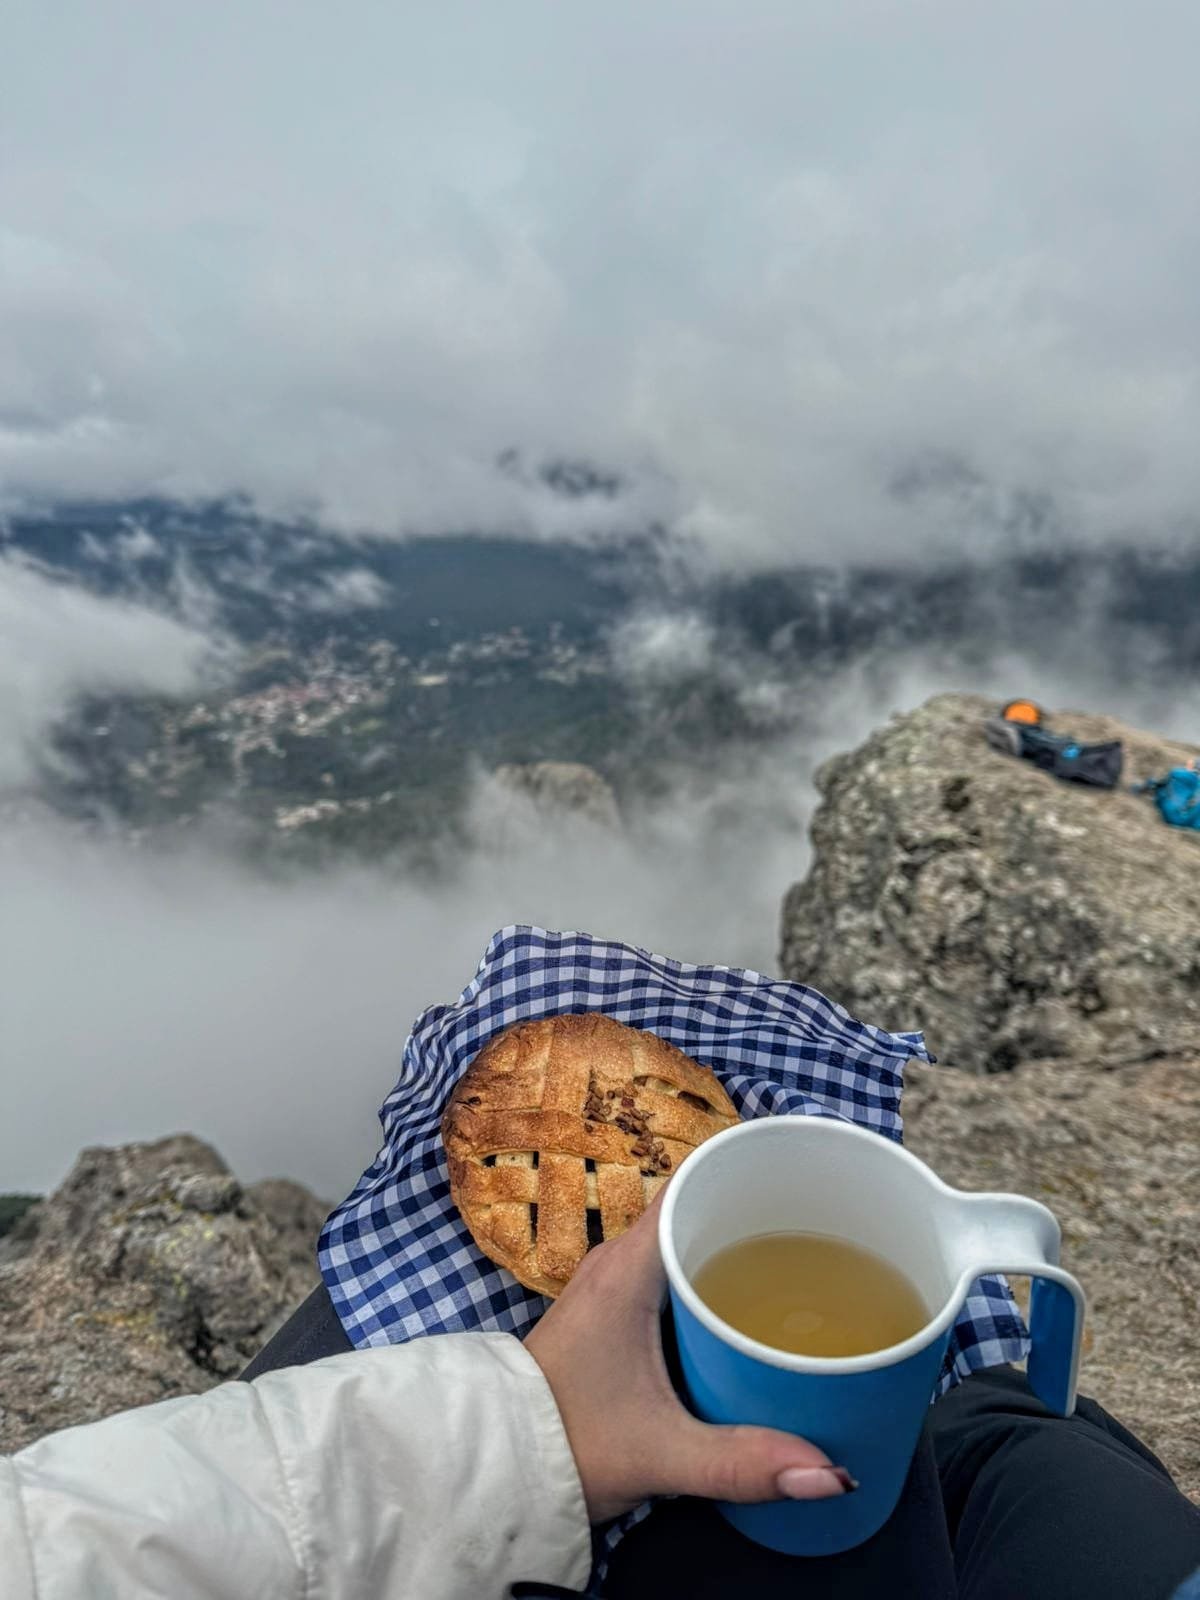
(344, 738)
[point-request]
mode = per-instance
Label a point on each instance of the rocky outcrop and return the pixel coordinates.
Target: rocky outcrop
(1008, 915)
(1028, 924)
(561, 789)
(1116, 1155)
(151, 1272)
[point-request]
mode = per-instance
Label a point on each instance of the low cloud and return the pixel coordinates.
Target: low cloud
(657, 649)
(143, 992)
(663, 653)
(840, 282)
(57, 641)
(358, 589)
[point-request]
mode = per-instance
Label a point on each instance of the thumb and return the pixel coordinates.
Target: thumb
(741, 1463)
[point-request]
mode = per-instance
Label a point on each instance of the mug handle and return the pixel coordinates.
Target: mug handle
(1024, 1235)
(1055, 1331)
(1056, 1307)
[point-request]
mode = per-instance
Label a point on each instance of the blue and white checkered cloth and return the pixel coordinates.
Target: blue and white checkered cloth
(397, 1258)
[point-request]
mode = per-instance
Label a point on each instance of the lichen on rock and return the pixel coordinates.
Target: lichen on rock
(1007, 914)
(150, 1272)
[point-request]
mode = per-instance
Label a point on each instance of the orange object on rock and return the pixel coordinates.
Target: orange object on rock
(1025, 711)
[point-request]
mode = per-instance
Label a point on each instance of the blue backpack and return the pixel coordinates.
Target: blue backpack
(1177, 797)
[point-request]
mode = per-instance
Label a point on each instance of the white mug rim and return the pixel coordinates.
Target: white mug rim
(890, 1355)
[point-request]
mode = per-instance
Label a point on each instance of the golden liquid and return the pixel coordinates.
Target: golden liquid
(811, 1294)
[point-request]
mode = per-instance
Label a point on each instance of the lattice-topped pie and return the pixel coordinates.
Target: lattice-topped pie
(560, 1133)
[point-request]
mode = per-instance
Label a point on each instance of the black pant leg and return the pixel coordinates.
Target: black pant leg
(312, 1331)
(685, 1547)
(1042, 1507)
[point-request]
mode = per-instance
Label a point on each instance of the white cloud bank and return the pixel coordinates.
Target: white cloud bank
(769, 260)
(58, 640)
(846, 279)
(142, 993)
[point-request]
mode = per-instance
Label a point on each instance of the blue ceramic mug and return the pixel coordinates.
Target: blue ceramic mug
(816, 1175)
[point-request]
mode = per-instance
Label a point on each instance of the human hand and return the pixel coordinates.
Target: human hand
(600, 1349)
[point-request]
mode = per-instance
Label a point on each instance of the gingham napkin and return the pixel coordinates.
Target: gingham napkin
(398, 1260)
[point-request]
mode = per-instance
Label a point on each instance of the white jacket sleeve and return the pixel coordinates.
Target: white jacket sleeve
(435, 1469)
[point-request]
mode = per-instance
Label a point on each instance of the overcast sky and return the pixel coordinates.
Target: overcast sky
(763, 258)
(820, 278)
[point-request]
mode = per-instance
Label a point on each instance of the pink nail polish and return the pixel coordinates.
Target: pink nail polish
(815, 1483)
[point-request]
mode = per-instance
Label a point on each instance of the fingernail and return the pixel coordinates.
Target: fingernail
(815, 1483)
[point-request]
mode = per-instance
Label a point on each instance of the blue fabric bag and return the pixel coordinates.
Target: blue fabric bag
(1177, 797)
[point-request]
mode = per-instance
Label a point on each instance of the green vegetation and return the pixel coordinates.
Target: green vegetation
(12, 1208)
(358, 744)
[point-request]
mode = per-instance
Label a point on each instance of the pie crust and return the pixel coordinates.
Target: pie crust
(560, 1133)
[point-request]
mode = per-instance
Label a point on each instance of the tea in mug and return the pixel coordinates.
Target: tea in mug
(811, 1294)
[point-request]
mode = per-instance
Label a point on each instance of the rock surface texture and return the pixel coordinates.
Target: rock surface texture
(151, 1272)
(1115, 1154)
(1024, 924)
(562, 789)
(1047, 937)
(1007, 914)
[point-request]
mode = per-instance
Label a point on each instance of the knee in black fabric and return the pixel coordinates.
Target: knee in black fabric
(996, 1402)
(310, 1333)
(1042, 1505)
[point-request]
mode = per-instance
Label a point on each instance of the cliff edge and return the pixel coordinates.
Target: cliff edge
(150, 1272)
(1008, 915)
